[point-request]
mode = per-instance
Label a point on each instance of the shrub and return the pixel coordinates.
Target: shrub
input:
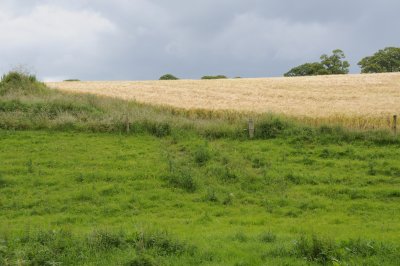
(17, 77)
(70, 80)
(214, 77)
(18, 81)
(168, 77)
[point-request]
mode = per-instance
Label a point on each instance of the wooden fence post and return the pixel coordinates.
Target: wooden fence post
(251, 128)
(127, 124)
(395, 125)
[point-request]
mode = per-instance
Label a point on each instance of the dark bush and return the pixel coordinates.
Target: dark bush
(168, 77)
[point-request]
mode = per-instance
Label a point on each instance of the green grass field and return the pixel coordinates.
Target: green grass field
(225, 201)
(184, 189)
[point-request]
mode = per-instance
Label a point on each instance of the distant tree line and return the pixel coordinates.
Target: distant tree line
(172, 77)
(385, 60)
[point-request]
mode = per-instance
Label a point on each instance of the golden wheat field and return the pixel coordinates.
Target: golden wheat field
(361, 101)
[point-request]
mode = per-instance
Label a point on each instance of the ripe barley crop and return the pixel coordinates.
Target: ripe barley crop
(356, 101)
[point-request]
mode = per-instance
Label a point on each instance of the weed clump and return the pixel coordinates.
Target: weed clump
(142, 260)
(201, 155)
(211, 196)
(183, 180)
(162, 243)
(105, 240)
(325, 251)
(269, 129)
(159, 129)
(316, 249)
(268, 237)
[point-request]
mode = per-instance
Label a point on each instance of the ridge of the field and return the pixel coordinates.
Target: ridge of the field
(362, 95)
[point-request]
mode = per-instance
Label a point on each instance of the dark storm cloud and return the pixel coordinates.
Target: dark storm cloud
(142, 39)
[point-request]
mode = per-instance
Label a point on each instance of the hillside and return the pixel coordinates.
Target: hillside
(109, 199)
(90, 180)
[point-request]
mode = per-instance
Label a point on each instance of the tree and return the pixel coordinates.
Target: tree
(307, 69)
(168, 77)
(334, 64)
(329, 65)
(385, 60)
(215, 77)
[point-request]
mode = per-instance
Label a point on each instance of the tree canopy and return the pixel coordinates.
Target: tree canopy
(329, 65)
(385, 60)
(168, 77)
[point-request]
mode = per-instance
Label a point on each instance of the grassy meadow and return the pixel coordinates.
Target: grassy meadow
(89, 180)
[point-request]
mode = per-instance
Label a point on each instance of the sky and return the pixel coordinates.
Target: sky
(144, 39)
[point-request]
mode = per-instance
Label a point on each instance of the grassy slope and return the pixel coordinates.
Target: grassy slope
(294, 195)
(246, 189)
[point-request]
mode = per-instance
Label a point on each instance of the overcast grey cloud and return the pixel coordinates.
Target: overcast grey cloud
(143, 39)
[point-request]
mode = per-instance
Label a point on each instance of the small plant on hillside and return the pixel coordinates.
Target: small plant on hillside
(268, 237)
(201, 155)
(211, 196)
(142, 260)
(270, 128)
(316, 249)
(3, 182)
(160, 130)
(183, 180)
(168, 77)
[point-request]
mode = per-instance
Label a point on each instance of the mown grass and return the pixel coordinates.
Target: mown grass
(198, 193)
